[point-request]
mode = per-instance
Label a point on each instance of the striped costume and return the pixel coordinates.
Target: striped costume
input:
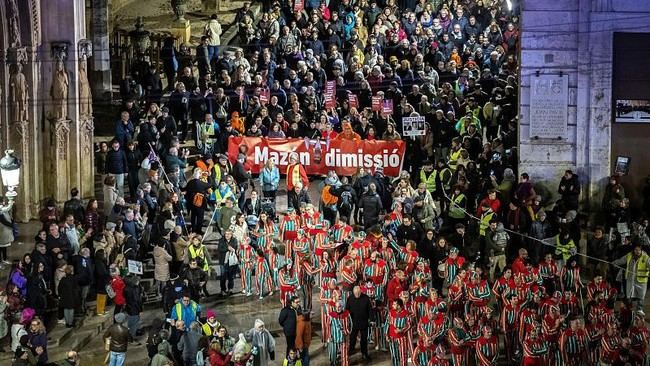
(453, 267)
(438, 361)
(573, 346)
(340, 233)
(548, 271)
(509, 322)
(363, 248)
(534, 350)
(265, 232)
(408, 258)
(377, 272)
(479, 297)
(457, 338)
(640, 336)
(307, 279)
(456, 296)
(276, 261)
(603, 287)
(288, 284)
(570, 279)
(347, 280)
(263, 276)
(310, 220)
(551, 332)
(434, 304)
(389, 256)
(340, 325)
(487, 351)
(474, 333)
(526, 318)
(399, 324)
(433, 326)
(327, 272)
(328, 298)
(610, 345)
(594, 337)
(246, 256)
(422, 353)
(569, 304)
(289, 226)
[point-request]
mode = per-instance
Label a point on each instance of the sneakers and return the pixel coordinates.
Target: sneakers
(249, 293)
(261, 297)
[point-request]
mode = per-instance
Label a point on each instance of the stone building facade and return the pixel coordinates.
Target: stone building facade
(575, 39)
(45, 108)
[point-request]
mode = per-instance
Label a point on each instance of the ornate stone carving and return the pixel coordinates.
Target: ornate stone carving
(85, 94)
(61, 135)
(86, 128)
(59, 91)
(19, 94)
(35, 12)
(22, 128)
(13, 20)
(179, 7)
(140, 37)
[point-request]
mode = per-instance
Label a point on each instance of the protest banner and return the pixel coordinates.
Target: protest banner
(413, 126)
(353, 100)
(377, 103)
(320, 156)
(388, 106)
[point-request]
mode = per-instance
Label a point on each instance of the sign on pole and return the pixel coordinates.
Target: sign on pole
(413, 126)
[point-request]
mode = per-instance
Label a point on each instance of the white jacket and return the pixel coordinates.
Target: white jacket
(213, 31)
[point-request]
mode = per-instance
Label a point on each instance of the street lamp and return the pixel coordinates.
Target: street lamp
(10, 172)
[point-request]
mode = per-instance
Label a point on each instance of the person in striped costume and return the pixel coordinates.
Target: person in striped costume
(551, 331)
(454, 264)
(327, 269)
(407, 255)
(289, 224)
(434, 326)
(439, 358)
(610, 344)
(501, 285)
(348, 278)
(570, 276)
(307, 278)
(527, 317)
(423, 351)
(474, 333)
(329, 296)
(340, 324)
(423, 271)
(398, 324)
(420, 290)
(340, 233)
(409, 305)
(276, 261)
(549, 273)
(534, 348)
(569, 303)
(355, 258)
(263, 275)
(600, 285)
(640, 335)
(509, 322)
(573, 343)
(478, 295)
(361, 246)
(376, 270)
(434, 303)
(458, 338)
(247, 257)
(265, 231)
(320, 239)
(288, 281)
(310, 218)
(595, 333)
(487, 348)
(456, 296)
(548, 301)
(387, 254)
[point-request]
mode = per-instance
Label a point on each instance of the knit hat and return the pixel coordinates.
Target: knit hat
(120, 318)
(110, 226)
(211, 314)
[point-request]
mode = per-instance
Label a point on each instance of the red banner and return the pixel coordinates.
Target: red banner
(353, 100)
(320, 156)
(330, 102)
(376, 103)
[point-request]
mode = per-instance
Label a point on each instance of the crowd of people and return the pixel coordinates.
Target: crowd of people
(459, 260)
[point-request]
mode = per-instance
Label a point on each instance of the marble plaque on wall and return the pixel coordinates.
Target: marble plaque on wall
(549, 106)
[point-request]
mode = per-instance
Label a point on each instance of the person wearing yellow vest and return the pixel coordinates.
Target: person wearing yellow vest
(458, 206)
(197, 251)
(637, 270)
(186, 310)
(486, 216)
(565, 247)
(428, 176)
(454, 153)
(211, 324)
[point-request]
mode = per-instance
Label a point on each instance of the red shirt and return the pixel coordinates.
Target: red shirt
(395, 287)
(518, 267)
(118, 286)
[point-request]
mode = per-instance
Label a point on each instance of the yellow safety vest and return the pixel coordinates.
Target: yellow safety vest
(207, 328)
(445, 184)
(453, 159)
(430, 181)
(179, 310)
(642, 271)
(217, 174)
(207, 130)
(485, 222)
(198, 253)
(455, 210)
(564, 249)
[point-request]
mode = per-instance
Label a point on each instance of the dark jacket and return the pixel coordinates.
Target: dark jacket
(74, 207)
(119, 335)
(409, 232)
(372, 207)
(116, 162)
(288, 320)
(69, 292)
(250, 209)
(133, 297)
(359, 309)
(84, 269)
(222, 248)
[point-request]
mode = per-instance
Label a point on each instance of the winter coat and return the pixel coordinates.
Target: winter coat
(213, 32)
(189, 344)
(133, 297)
(69, 292)
(116, 162)
(270, 179)
(161, 259)
(6, 226)
(288, 320)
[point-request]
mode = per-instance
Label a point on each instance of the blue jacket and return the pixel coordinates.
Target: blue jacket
(270, 179)
(187, 314)
(116, 162)
(124, 133)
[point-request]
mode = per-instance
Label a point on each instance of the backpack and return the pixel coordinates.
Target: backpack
(200, 358)
(328, 198)
(346, 201)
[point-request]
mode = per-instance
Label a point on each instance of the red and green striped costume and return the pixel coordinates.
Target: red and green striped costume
(263, 276)
(534, 350)
(246, 256)
(398, 324)
(457, 338)
(422, 353)
(340, 326)
(487, 351)
(640, 337)
(288, 284)
(573, 346)
(570, 279)
(377, 272)
(509, 322)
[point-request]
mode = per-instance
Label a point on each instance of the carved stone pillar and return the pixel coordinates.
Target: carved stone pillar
(85, 123)
(101, 62)
(20, 128)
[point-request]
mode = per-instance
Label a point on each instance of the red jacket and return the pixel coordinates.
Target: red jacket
(118, 286)
(395, 287)
(518, 267)
(303, 176)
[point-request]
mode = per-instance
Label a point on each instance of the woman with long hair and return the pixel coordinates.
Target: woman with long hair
(92, 218)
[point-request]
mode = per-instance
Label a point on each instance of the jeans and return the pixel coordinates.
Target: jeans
(213, 52)
(133, 322)
(119, 183)
(68, 315)
(117, 358)
(304, 356)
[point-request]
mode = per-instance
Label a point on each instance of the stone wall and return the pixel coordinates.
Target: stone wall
(574, 37)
